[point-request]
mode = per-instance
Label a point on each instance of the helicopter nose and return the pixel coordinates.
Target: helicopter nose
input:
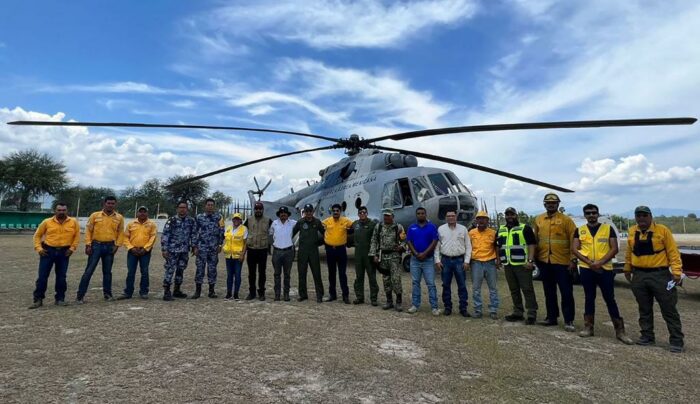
(462, 203)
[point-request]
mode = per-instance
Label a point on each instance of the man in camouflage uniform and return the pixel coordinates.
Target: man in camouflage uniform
(386, 248)
(177, 240)
(363, 229)
(210, 239)
(310, 230)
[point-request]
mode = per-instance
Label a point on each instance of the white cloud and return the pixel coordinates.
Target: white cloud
(183, 104)
(331, 24)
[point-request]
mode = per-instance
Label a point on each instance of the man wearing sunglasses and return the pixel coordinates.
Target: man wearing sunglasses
(335, 238)
(595, 245)
(651, 250)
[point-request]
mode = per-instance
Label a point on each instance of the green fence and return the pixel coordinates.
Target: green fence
(21, 220)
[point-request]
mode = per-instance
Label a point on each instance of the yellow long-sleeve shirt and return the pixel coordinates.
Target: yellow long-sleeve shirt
(141, 235)
(663, 244)
(554, 237)
(336, 233)
(105, 228)
(56, 234)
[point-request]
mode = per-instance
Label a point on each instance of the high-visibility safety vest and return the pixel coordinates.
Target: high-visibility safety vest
(595, 247)
(512, 246)
(233, 241)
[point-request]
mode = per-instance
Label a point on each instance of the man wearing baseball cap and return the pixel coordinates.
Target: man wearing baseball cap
(311, 232)
(257, 245)
(139, 237)
(555, 232)
(651, 250)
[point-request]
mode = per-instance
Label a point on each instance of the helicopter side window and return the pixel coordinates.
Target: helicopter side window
(421, 189)
(391, 196)
(442, 187)
(457, 185)
(406, 197)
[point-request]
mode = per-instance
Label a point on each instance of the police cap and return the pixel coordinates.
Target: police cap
(308, 208)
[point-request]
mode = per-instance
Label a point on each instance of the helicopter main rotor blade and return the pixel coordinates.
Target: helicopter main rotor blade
(247, 163)
(475, 167)
(172, 126)
(537, 125)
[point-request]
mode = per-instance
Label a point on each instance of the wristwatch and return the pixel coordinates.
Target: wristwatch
(531, 261)
(574, 260)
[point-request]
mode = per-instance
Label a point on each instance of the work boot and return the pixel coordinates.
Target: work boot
(235, 296)
(587, 326)
(398, 306)
(374, 302)
(250, 296)
(197, 291)
(166, 294)
(286, 296)
(178, 293)
(277, 296)
(358, 301)
(261, 296)
(228, 294)
(212, 293)
(37, 303)
(620, 334)
(389, 302)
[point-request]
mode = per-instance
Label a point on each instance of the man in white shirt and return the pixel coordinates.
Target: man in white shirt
(282, 250)
(452, 256)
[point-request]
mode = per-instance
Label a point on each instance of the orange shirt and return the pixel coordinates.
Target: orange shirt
(483, 244)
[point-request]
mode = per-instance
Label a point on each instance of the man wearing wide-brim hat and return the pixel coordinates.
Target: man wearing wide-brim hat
(282, 251)
(651, 250)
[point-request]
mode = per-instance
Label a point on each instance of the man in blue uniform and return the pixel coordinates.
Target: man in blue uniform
(210, 239)
(176, 242)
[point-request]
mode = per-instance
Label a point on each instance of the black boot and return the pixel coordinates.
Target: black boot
(228, 294)
(398, 306)
(277, 296)
(212, 293)
(261, 296)
(286, 296)
(166, 293)
(197, 291)
(251, 296)
(235, 296)
(178, 293)
(37, 303)
(389, 302)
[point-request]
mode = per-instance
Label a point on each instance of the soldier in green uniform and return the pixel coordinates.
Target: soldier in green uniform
(362, 230)
(386, 248)
(310, 231)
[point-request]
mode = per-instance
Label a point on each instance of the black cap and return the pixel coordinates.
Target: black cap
(642, 209)
(282, 209)
(511, 210)
(308, 208)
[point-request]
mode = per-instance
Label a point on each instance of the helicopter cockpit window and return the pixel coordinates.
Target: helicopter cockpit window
(421, 189)
(442, 187)
(457, 185)
(391, 196)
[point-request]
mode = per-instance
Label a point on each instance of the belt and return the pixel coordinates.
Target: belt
(655, 269)
(389, 251)
(453, 258)
(335, 246)
(46, 246)
(284, 249)
(102, 242)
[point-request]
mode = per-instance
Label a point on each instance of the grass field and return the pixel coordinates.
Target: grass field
(214, 350)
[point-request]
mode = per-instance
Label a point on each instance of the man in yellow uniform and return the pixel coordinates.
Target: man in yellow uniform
(55, 240)
(651, 250)
(484, 263)
(335, 238)
(139, 237)
(595, 245)
(104, 234)
(555, 232)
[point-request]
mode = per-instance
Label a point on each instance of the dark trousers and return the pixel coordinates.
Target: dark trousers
(554, 275)
(56, 257)
(257, 264)
(648, 286)
(605, 280)
(520, 284)
(337, 259)
(363, 264)
(233, 271)
(282, 262)
(132, 262)
(453, 267)
(309, 259)
(100, 251)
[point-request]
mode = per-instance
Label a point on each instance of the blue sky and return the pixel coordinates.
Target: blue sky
(367, 67)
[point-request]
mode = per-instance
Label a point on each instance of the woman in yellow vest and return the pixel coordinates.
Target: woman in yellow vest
(234, 251)
(595, 245)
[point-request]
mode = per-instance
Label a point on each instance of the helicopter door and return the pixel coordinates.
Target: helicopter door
(397, 194)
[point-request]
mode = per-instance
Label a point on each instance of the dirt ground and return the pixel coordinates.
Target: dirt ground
(212, 350)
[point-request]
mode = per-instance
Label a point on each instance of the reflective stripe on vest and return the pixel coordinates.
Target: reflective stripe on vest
(233, 241)
(595, 247)
(512, 252)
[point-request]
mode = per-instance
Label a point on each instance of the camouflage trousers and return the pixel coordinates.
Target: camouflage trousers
(175, 264)
(209, 260)
(392, 282)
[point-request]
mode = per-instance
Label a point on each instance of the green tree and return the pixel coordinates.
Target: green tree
(195, 191)
(87, 199)
(30, 174)
(151, 194)
(222, 201)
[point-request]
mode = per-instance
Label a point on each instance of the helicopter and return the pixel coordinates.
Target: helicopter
(380, 177)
